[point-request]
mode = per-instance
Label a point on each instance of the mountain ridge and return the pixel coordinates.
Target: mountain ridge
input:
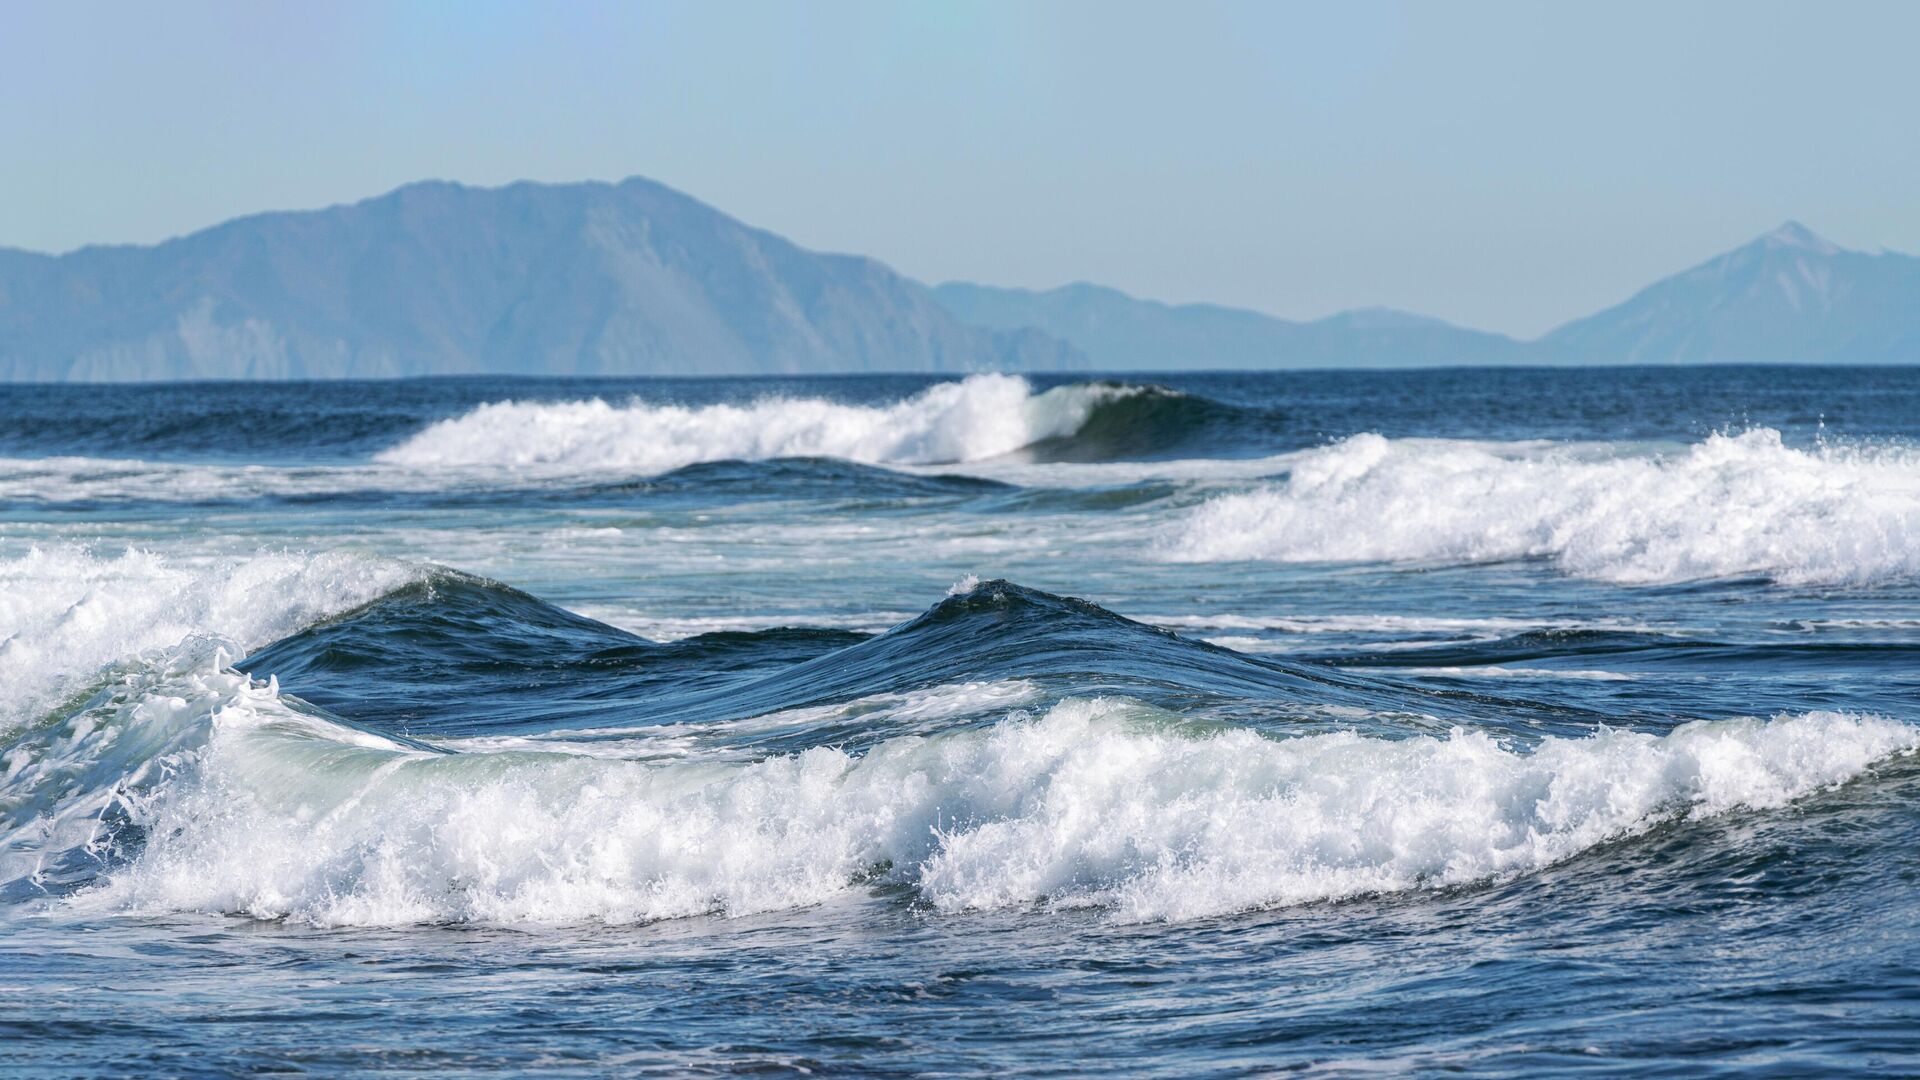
(1788, 296)
(1122, 332)
(636, 278)
(442, 278)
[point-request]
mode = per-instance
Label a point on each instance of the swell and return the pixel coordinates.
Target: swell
(212, 421)
(463, 656)
(93, 484)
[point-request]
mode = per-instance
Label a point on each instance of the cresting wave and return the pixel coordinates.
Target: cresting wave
(1732, 505)
(184, 785)
(982, 416)
(70, 617)
(266, 811)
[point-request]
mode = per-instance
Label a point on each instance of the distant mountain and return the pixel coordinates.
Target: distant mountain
(439, 278)
(636, 278)
(1120, 332)
(1788, 297)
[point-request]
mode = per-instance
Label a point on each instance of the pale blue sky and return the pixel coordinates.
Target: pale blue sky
(1503, 165)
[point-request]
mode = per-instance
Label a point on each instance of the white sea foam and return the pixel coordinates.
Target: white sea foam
(981, 416)
(61, 780)
(67, 613)
(1096, 802)
(1731, 505)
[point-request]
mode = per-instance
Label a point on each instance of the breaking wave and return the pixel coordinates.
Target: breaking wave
(1107, 803)
(1730, 506)
(979, 417)
(975, 419)
(182, 784)
(70, 617)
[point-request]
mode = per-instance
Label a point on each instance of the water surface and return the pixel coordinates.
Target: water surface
(1503, 721)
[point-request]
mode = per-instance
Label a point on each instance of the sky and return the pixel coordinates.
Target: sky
(1506, 166)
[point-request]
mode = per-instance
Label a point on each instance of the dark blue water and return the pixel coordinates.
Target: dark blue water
(1502, 722)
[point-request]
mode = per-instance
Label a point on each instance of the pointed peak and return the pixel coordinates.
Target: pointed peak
(1798, 237)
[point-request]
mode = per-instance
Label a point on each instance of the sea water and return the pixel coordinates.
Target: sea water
(1498, 721)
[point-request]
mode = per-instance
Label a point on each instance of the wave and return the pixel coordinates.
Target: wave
(1098, 434)
(71, 618)
(118, 674)
(1005, 749)
(270, 812)
(993, 752)
(1134, 422)
(1730, 506)
(975, 419)
(80, 484)
(461, 656)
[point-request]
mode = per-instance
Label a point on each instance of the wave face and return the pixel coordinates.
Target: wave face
(982, 416)
(1730, 506)
(461, 656)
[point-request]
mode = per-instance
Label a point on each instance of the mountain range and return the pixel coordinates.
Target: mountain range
(1123, 333)
(439, 278)
(1787, 297)
(636, 278)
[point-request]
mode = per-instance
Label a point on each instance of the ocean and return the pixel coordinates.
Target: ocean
(1474, 721)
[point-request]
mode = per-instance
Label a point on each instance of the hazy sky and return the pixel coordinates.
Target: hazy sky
(1502, 165)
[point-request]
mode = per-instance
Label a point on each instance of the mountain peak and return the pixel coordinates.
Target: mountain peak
(1800, 238)
(1789, 297)
(440, 278)
(1376, 317)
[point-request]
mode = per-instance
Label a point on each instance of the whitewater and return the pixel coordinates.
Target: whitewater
(1506, 721)
(1727, 506)
(979, 417)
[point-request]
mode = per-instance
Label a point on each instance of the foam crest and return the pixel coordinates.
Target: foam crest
(981, 416)
(68, 786)
(1096, 802)
(68, 614)
(1732, 505)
